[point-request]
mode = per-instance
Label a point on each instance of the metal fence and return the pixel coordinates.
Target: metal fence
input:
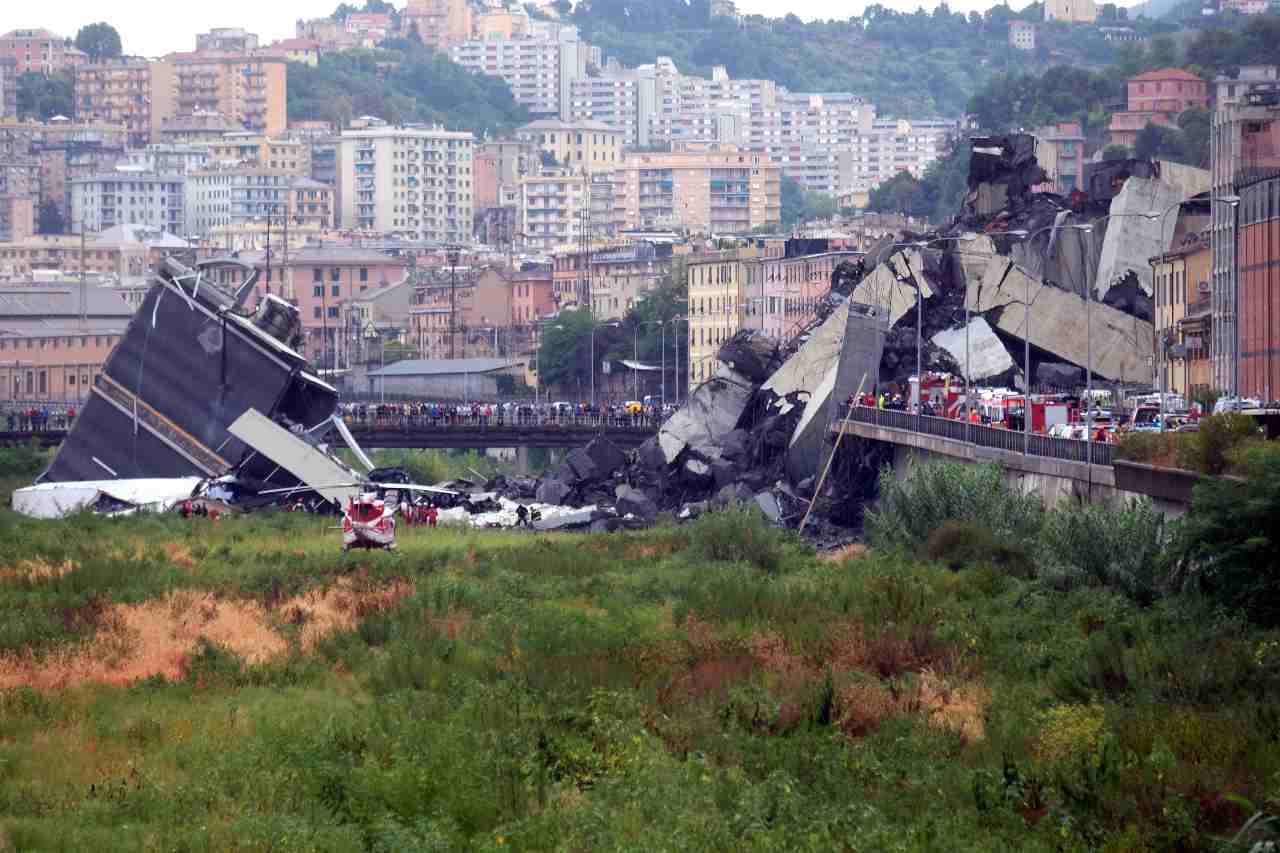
(1070, 449)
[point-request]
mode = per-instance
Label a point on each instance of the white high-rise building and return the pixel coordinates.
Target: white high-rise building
(417, 182)
(539, 69)
(99, 202)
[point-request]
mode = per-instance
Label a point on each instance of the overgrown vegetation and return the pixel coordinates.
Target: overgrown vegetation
(239, 684)
(1217, 447)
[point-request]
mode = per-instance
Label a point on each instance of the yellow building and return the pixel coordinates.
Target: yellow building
(253, 149)
(1071, 11)
(248, 89)
(1181, 277)
(135, 93)
(720, 190)
(716, 282)
(578, 146)
(500, 24)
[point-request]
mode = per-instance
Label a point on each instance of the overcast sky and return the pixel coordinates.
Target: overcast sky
(155, 27)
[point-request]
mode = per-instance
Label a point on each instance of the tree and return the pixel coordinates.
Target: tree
(50, 219)
(100, 41)
(896, 195)
(1115, 152)
(41, 97)
(565, 354)
(1157, 142)
(1163, 52)
(1195, 125)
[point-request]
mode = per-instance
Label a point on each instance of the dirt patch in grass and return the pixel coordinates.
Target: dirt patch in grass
(136, 641)
(955, 707)
(37, 570)
(851, 551)
(338, 607)
(180, 556)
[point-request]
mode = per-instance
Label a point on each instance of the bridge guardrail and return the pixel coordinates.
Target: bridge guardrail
(1070, 449)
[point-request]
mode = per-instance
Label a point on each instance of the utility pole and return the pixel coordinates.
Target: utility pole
(84, 295)
(451, 254)
(268, 249)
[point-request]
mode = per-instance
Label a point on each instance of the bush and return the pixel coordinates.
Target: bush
(737, 535)
(1153, 448)
(959, 544)
(1209, 450)
(1227, 546)
(23, 460)
(909, 511)
(1120, 547)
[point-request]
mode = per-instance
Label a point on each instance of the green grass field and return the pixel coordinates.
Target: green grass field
(240, 685)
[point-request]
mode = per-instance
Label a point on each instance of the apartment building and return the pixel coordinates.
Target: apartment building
(553, 209)
(8, 88)
(469, 300)
(415, 182)
(200, 128)
(532, 297)
(249, 89)
(19, 180)
(440, 23)
(329, 34)
(263, 152)
(539, 69)
(1022, 35)
(170, 159)
(303, 51)
(498, 168)
(136, 93)
(63, 149)
(99, 202)
(501, 24)
(1157, 97)
(226, 40)
(38, 51)
(580, 146)
(721, 190)
(624, 99)
(716, 281)
(1071, 11)
(1065, 144)
(217, 198)
(123, 253)
(1181, 282)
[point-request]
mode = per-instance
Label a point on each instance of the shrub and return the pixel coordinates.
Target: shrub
(1120, 547)
(959, 544)
(910, 510)
(1227, 546)
(1209, 449)
(738, 535)
(23, 460)
(1153, 448)
(1070, 731)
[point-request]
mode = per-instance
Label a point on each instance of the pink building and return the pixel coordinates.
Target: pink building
(1157, 97)
(40, 51)
(781, 294)
(484, 177)
(319, 280)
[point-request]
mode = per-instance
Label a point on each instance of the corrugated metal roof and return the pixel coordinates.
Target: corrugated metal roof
(444, 366)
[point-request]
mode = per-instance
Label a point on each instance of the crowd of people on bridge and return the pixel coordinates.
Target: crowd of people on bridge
(433, 414)
(24, 418)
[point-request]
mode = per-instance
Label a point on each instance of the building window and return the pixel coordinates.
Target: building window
(335, 274)
(336, 290)
(333, 310)
(315, 312)
(364, 273)
(318, 292)
(317, 274)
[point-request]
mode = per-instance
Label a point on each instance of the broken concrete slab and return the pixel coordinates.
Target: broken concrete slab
(569, 518)
(768, 504)
(551, 491)
(751, 353)
(1131, 237)
(650, 456)
(980, 349)
(712, 410)
(1062, 324)
(856, 363)
(633, 501)
(324, 474)
(883, 288)
(804, 371)
(582, 466)
(736, 493)
(606, 455)
(697, 473)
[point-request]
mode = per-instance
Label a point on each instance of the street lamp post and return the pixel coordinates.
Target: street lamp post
(613, 324)
(451, 254)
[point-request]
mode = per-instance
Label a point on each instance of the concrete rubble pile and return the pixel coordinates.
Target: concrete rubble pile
(759, 432)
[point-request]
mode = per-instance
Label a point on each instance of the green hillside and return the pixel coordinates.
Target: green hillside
(916, 64)
(407, 83)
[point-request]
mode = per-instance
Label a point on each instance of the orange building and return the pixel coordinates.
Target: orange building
(135, 93)
(440, 23)
(247, 89)
(719, 190)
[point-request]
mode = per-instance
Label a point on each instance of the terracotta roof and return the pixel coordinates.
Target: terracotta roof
(1165, 74)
